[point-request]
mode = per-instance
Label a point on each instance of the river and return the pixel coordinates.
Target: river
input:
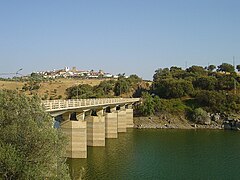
(163, 154)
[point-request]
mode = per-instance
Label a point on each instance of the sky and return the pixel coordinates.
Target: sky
(117, 36)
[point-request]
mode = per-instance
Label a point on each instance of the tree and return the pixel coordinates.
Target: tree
(238, 68)
(121, 86)
(201, 116)
(29, 147)
(225, 82)
(105, 88)
(211, 67)
(172, 88)
(214, 101)
(225, 67)
(134, 79)
(161, 74)
(147, 106)
(177, 72)
(80, 91)
(196, 70)
(205, 82)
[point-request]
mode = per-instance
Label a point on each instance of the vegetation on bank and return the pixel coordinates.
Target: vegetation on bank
(29, 147)
(194, 92)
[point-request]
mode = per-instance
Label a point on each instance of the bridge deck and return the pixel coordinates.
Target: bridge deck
(58, 105)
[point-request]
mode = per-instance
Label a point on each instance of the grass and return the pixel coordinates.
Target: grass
(54, 88)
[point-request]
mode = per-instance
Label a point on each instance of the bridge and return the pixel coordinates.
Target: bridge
(87, 122)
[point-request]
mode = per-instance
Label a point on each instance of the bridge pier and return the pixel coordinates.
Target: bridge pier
(111, 123)
(96, 129)
(121, 116)
(83, 128)
(76, 132)
(129, 116)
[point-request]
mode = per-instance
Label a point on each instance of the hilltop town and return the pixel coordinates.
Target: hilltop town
(74, 73)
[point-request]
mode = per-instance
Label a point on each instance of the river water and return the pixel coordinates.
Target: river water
(163, 154)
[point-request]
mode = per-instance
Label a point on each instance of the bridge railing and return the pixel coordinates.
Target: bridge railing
(77, 103)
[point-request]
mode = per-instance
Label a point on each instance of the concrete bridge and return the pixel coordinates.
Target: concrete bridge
(87, 122)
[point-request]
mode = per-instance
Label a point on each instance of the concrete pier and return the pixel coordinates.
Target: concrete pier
(129, 116)
(87, 122)
(96, 129)
(121, 116)
(111, 123)
(76, 132)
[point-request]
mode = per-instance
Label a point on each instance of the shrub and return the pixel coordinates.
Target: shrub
(200, 116)
(29, 147)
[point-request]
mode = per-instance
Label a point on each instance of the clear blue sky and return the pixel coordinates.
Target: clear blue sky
(131, 36)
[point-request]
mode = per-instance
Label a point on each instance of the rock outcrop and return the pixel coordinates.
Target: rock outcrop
(231, 124)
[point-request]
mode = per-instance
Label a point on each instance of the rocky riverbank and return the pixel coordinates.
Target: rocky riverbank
(231, 124)
(168, 121)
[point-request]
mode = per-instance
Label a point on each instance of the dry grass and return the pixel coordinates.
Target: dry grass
(55, 88)
(11, 85)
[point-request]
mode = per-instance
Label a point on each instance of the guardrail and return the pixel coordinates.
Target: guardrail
(52, 105)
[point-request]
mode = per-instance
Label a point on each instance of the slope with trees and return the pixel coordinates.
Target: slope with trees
(196, 90)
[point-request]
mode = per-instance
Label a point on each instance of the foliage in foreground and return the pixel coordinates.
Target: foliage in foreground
(29, 147)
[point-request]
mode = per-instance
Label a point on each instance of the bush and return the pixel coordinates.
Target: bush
(29, 147)
(201, 116)
(147, 106)
(173, 106)
(213, 101)
(122, 86)
(171, 88)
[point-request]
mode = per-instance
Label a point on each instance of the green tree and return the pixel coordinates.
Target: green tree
(173, 106)
(177, 72)
(105, 88)
(134, 79)
(157, 104)
(161, 74)
(205, 82)
(80, 91)
(214, 101)
(238, 68)
(225, 82)
(172, 88)
(201, 116)
(199, 70)
(211, 67)
(225, 67)
(122, 86)
(147, 106)
(29, 147)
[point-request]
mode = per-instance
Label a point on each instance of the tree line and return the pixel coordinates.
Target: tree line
(124, 87)
(193, 90)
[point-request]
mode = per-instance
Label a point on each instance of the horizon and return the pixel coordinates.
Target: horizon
(19, 74)
(132, 37)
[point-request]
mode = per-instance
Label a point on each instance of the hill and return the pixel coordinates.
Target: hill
(56, 88)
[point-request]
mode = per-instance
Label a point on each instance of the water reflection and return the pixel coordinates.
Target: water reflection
(162, 154)
(102, 160)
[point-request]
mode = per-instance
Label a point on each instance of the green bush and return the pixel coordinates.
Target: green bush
(29, 147)
(200, 116)
(147, 105)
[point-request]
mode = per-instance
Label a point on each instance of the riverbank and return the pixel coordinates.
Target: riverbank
(171, 122)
